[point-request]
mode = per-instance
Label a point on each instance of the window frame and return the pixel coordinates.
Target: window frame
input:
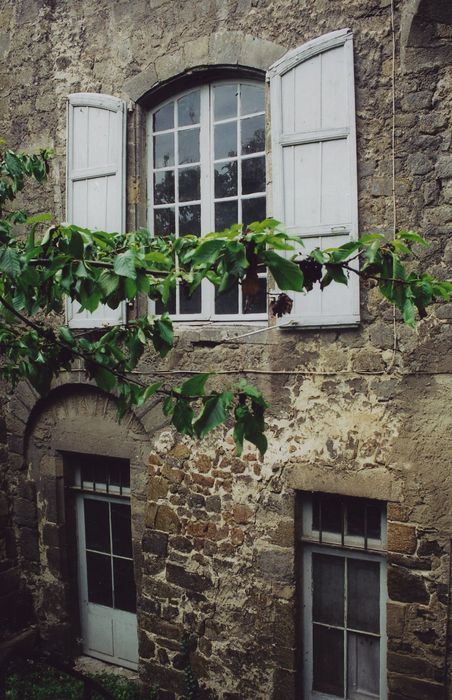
(207, 192)
(309, 542)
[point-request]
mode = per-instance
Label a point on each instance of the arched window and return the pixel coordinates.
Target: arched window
(206, 150)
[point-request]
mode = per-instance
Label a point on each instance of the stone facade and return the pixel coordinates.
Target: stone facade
(214, 535)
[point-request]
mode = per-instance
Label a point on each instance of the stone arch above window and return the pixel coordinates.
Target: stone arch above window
(218, 52)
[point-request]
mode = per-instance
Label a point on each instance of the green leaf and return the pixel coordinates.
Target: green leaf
(182, 419)
(318, 255)
(213, 413)
(163, 336)
(9, 262)
(108, 282)
(336, 273)
(413, 236)
(207, 251)
(124, 264)
(44, 217)
(75, 245)
(66, 335)
(286, 273)
(149, 393)
(168, 406)
(104, 379)
(343, 252)
(195, 385)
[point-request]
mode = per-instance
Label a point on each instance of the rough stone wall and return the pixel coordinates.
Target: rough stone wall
(215, 537)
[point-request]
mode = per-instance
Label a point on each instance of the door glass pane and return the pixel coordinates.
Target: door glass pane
(363, 609)
(188, 146)
(328, 662)
(97, 526)
(226, 179)
(125, 594)
(225, 140)
(164, 187)
(253, 210)
(363, 667)
(164, 117)
(163, 150)
(226, 214)
(225, 101)
(252, 99)
(99, 579)
(328, 589)
(189, 184)
(120, 529)
(253, 175)
(188, 109)
(253, 134)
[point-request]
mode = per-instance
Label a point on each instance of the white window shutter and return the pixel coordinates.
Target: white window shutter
(314, 186)
(95, 188)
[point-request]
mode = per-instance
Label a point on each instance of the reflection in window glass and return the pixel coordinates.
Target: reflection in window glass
(188, 146)
(328, 589)
(253, 134)
(164, 117)
(226, 179)
(99, 579)
(164, 187)
(188, 109)
(252, 99)
(97, 525)
(225, 136)
(328, 665)
(225, 101)
(253, 175)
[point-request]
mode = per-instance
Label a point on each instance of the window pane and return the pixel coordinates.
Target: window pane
(163, 150)
(188, 146)
(228, 302)
(355, 516)
(374, 520)
(188, 109)
(225, 140)
(226, 214)
(328, 589)
(257, 304)
(363, 667)
(164, 118)
(119, 473)
(253, 134)
(331, 515)
(190, 220)
(164, 222)
(328, 662)
(363, 609)
(189, 184)
(97, 525)
(120, 529)
(99, 579)
(225, 101)
(226, 179)
(164, 187)
(253, 175)
(170, 307)
(125, 593)
(252, 99)
(253, 210)
(95, 474)
(190, 304)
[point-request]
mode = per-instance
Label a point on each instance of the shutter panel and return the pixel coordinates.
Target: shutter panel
(95, 188)
(314, 164)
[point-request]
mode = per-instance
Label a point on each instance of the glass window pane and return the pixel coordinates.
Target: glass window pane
(125, 592)
(252, 99)
(164, 187)
(253, 175)
(94, 475)
(99, 579)
(226, 214)
(226, 179)
(374, 520)
(163, 150)
(363, 609)
(363, 666)
(225, 101)
(188, 109)
(328, 589)
(188, 146)
(225, 140)
(331, 508)
(355, 516)
(257, 304)
(164, 117)
(170, 307)
(190, 220)
(189, 304)
(227, 302)
(119, 472)
(189, 184)
(121, 532)
(328, 662)
(253, 210)
(253, 134)
(97, 525)
(164, 221)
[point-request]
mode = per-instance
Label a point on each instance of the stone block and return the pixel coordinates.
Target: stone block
(401, 538)
(158, 487)
(28, 544)
(275, 564)
(146, 647)
(411, 665)
(284, 685)
(284, 534)
(396, 511)
(213, 504)
(167, 520)
(406, 587)
(187, 579)
(395, 613)
(155, 543)
(242, 513)
(161, 628)
(444, 167)
(415, 688)
(181, 544)
(419, 164)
